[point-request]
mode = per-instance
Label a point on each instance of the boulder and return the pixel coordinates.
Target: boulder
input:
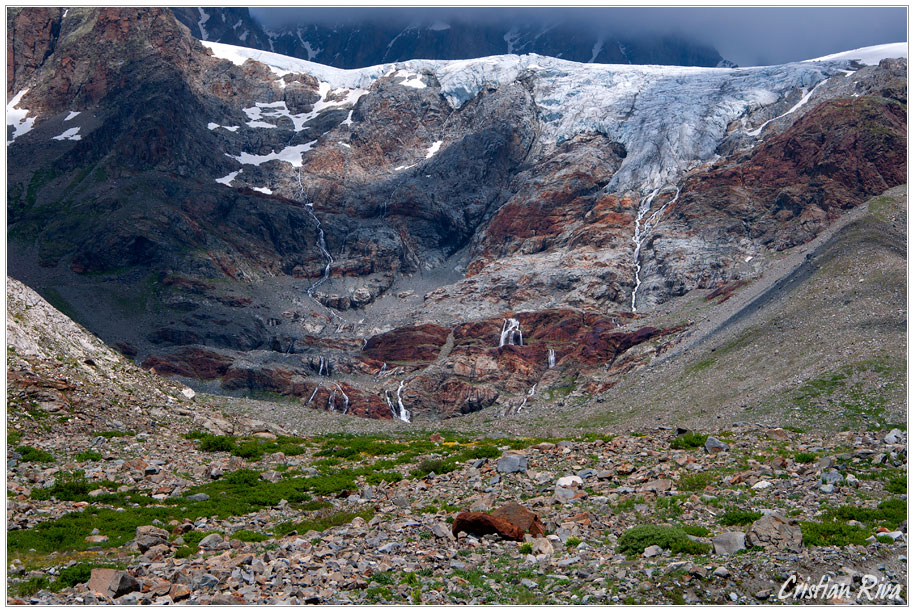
(713, 445)
(148, 536)
(480, 524)
(521, 517)
(729, 542)
(111, 582)
(509, 464)
(775, 531)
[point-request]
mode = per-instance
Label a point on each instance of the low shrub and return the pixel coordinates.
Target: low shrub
(739, 517)
(31, 454)
(689, 440)
(674, 539)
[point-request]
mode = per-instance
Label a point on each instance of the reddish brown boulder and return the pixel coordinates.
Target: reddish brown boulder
(522, 517)
(480, 523)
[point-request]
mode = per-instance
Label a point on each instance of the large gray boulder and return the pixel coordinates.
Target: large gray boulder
(775, 531)
(729, 542)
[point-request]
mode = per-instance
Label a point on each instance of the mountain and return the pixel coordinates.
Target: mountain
(498, 237)
(371, 42)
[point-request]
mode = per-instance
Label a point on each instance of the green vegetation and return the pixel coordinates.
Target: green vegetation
(526, 548)
(835, 531)
(697, 481)
(734, 516)
(89, 455)
(438, 466)
(674, 539)
(246, 535)
(572, 542)
(31, 454)
(696, 530)
(321, 522)
(114, 434)
(689, 440)
(832, 533)
(252, 449)
(804, 457)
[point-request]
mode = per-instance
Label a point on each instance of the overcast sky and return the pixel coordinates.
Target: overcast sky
(747, 36)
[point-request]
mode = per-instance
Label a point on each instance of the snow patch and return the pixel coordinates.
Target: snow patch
(265, 190)
(204, 17)
(277, 110)
(71, 134)
(439, 26)
(18, 117)
(228, 178)
(411, 79)
(433, 149)
(870, 56)
(292, 155)
(72, 115)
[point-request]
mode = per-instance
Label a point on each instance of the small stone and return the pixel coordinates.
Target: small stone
(529, 583)
(271, 476)
(763, 594)
(441, 530)
(761, 484)
(713, 445)
(832, 477)
(206, 581)
(652, 551)
(198, 497)
(721, 572)
(188, 393)
(211, 541)
(827, 488)
(733, 596)
(569, 481)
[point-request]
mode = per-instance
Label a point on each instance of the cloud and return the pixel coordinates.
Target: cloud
(748, 36)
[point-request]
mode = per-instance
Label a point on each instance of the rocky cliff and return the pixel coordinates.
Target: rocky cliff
(413, 240)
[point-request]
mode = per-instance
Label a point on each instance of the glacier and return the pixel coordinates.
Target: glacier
(669, 118)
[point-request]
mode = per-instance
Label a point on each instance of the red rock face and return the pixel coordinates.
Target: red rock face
(30, 37)
(190, 362)
(790, 187)
(420, 343)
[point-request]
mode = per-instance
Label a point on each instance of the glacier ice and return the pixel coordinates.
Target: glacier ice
(669, 118)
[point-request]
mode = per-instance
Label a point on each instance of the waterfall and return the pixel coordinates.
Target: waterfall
(313, 393)
(383, 369)
(322, 245)
(398, 411)
(642, 232)
(331, 401)
(323, 369)
(528, 396)
(551, 358)
(405, 414)
(510, 332)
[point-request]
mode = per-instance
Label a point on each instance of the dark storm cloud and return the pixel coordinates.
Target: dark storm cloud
(747, 36)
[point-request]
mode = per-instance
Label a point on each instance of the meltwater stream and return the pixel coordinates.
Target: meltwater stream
(643, 230)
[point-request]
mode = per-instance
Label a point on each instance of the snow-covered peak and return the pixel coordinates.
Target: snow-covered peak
(669, 118)
(870, 56)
